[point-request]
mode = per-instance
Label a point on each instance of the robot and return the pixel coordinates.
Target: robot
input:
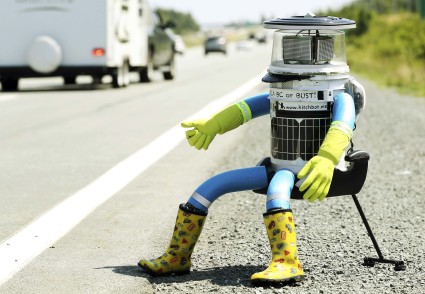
(313, 104)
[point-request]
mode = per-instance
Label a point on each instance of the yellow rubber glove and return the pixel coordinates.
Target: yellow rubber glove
(319, 170)
(319, 180)
(205, 130)
(203, 133)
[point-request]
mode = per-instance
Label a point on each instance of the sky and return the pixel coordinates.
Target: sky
(225, 11)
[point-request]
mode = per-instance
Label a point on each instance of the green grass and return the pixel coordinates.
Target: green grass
(391, 52)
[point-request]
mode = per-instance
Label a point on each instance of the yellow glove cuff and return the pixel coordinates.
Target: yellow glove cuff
(232, 117)
(334, 144)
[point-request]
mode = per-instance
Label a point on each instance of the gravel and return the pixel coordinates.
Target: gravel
(332, 240)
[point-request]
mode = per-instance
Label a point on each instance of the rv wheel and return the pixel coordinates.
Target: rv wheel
(125, 74)
(116, 79)
(147, 72)
(121, 78)
(169, 74)
(97, 80)
(69, 80)
(9, 84)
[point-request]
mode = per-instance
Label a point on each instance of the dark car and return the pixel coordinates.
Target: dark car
(215, 44)
(161, 50)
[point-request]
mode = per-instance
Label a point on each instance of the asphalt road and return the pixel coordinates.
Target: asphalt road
(55, 141)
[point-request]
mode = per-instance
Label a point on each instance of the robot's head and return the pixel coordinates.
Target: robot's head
(308, 45)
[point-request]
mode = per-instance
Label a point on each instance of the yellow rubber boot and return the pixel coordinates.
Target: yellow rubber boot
(284, 266)
(176, 259)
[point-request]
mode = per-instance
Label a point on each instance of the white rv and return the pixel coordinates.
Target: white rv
(67, 38)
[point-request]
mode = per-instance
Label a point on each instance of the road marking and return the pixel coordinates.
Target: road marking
(6, 97)
(31, 241)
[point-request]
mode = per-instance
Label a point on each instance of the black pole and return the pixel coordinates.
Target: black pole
(369, 231)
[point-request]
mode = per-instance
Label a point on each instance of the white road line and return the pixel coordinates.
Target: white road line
(31, 241)
(7, 97)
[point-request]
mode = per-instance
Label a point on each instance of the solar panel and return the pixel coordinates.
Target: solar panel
(297, 49)
(295, 138)
(307, 49)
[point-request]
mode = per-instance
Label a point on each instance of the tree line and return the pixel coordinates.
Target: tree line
(388, 44)
(184, 22)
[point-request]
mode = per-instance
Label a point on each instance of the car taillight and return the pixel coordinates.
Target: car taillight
(98, 52)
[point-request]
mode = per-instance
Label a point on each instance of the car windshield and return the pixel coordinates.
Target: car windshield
(216, 40)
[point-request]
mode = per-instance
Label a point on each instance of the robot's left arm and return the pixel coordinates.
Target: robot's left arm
(319, 170)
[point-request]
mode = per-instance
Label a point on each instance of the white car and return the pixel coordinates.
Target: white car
(215, 44)
(244, 45)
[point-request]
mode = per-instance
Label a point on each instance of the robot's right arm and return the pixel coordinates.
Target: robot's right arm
(204, 130)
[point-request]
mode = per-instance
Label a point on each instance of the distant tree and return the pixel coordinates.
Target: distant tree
(388, 6)
(184, 22)
(356, 11)
(363, 20)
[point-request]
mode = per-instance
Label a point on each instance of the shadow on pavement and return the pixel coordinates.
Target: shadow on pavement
(238, 275)
(64, 88)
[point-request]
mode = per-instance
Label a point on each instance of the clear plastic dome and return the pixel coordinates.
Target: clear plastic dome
(298, 48)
